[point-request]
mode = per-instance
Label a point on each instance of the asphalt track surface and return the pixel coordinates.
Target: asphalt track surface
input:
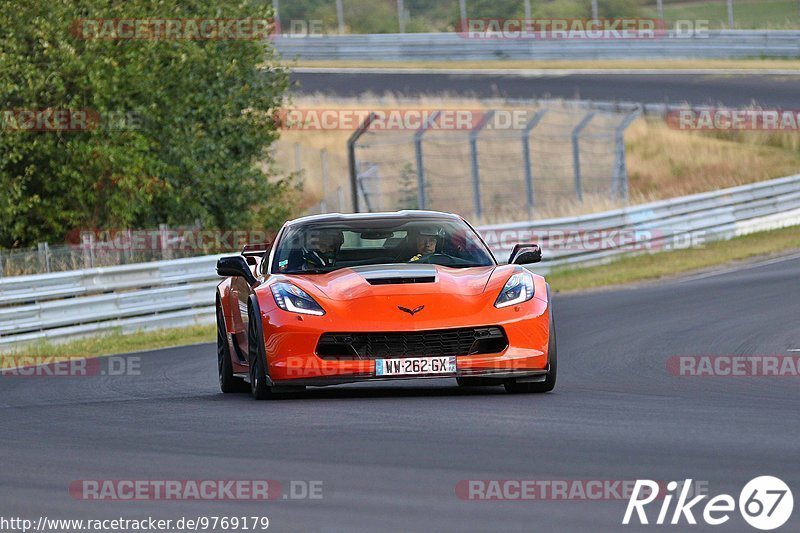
(694, 89)
(390, 456)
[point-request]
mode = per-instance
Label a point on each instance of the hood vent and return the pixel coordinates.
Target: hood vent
(397, 274)
(401, 281)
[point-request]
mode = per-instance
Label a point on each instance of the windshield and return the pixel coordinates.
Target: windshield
(323, 247)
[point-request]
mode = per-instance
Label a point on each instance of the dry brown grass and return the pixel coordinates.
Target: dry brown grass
(662, 162)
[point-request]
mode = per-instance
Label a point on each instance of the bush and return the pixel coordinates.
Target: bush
(182, 133)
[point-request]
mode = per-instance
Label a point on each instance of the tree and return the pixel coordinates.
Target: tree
(179, 128)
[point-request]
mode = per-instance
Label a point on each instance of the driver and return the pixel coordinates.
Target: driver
(427, 241)
(323, 249)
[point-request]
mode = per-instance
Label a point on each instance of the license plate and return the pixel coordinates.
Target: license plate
(414, 366)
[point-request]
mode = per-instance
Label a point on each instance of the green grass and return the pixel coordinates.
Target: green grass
(661, 265)
(748, 14)
(114, 343)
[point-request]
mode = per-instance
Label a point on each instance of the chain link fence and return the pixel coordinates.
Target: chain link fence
(103, 249)
(554, 158)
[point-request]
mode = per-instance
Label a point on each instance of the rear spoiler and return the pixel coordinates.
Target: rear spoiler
(256, 250)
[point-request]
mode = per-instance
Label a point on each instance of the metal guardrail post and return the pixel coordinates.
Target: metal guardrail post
(526, 154)
(422, 197)
(476, 175)
(620, 178)
(576, 153)
(351, 156)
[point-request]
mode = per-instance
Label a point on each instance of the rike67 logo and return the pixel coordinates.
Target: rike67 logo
(765, 503)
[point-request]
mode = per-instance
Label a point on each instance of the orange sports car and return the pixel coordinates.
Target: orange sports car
(382, 296)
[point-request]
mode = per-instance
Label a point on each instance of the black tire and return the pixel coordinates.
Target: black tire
(550, 381)
(259, 383)
(228, 383)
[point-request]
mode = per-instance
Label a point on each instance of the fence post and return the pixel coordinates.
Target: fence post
(44, 256)
(526, 154)
(620, 178)
(340, 15)
(401, 16)
(731, 22)
(298, 160)
(476, 175)
(87, 248)
(129, 247)
(422, 197)
(2, 271)
(276, 15)
(165, 249)
(351, 156)
(576, 153)
(323, 156)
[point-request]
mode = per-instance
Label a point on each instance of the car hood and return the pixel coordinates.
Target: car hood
(400, 280)
(402, 297)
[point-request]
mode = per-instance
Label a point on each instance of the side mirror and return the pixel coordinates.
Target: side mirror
(236, 265)
(525, 254)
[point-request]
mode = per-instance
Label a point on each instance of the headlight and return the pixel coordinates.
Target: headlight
(518, 289)
(295, 300)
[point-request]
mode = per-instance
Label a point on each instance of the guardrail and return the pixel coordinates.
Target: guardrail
(179, 293)
(662, 225)
(453, 46)
(153, 295)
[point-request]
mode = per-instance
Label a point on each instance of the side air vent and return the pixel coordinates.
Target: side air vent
(401, 281)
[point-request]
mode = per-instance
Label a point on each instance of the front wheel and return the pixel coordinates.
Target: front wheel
(259, 384)
(550, 381)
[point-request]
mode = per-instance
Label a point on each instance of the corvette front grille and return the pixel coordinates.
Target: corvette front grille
(445, 342)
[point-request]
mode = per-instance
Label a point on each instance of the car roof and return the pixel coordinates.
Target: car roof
(395, 215)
